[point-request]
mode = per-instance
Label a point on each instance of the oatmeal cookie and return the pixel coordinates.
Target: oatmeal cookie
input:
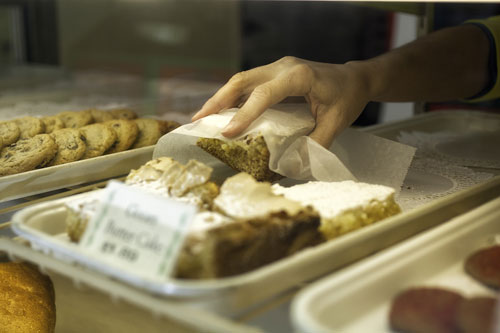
(101, 116)
(76, 119)
(27, 154)
(151, 130)
(9, 132)
(71, 146)
(98, 138)
(126, 134)
(123, 114)
(29, 127)
(52, 123)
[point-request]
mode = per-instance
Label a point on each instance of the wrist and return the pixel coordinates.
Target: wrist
(368, 75)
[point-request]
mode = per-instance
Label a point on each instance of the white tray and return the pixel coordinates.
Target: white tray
(358, 298)
(96, 304)
(44, 226)
(73, 173)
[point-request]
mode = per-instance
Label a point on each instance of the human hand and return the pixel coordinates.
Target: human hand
(336, 94)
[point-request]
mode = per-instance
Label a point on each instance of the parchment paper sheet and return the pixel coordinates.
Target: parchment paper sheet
(353, 156)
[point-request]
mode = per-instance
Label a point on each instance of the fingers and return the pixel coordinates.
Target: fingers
(240, 85)
(327, 127)
(264, 96)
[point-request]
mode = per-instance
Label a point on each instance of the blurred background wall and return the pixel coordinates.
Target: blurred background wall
(212, 39)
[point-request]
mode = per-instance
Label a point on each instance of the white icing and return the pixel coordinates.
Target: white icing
(332, 198)
(86, 206)
(204, 221)
(241, 196)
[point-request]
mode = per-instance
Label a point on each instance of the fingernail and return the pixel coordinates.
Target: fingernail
(229, 127)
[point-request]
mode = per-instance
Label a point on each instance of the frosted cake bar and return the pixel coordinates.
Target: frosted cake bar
(248, 154)
(343, 206)
(221, 242)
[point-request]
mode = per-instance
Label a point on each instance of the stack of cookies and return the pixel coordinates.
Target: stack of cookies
(28, 143)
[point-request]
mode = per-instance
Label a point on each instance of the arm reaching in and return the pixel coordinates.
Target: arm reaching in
(448, 64)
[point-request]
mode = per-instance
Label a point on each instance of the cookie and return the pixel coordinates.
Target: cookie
(123, 114)
(98, 138)
(151, 130)
(76, 119)
(101, 116)
(27, 154)
(52, 123)
(9, 132)
(484, 266)
(168, 125)
(126, 134)
(71, 146)
(29, 127)
(425, 309)
(477, 314)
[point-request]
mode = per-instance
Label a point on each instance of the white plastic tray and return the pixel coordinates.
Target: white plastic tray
(358, 298)
(90, 303)
(73, 173)
(44, 226)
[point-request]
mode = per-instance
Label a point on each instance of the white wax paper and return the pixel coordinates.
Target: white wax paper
(353, 156)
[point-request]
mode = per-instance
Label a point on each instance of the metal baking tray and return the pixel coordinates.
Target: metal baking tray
(466, 136)
(44, 226)
(357, 299)
(73, 173)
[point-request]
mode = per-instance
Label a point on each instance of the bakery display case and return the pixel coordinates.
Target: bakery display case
(265, 253)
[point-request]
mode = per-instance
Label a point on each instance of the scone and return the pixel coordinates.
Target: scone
(76, 119)
(248, 154)
(151, 130)
(52, 123)
(27, 154)
(126, 134)
(70, 145)
(344, 206)
(9, 131)
(98, 138)
(101, 116)
(123, 114)
(29, 127)
(27, 300)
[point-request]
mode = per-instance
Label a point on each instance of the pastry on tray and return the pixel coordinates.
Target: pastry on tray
(27, 299)
(484, 266)
(248, 154)
(425, 309)
(344, 206)
(437, 309)
(223, 240)
(97, 132)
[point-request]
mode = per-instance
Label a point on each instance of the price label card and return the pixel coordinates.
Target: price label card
(137, 232)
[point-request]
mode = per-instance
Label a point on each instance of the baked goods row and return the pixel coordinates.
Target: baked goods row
(245, 224)
(30, 142)
(438, 309)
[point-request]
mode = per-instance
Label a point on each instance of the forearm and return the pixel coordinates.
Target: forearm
(448, 64)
